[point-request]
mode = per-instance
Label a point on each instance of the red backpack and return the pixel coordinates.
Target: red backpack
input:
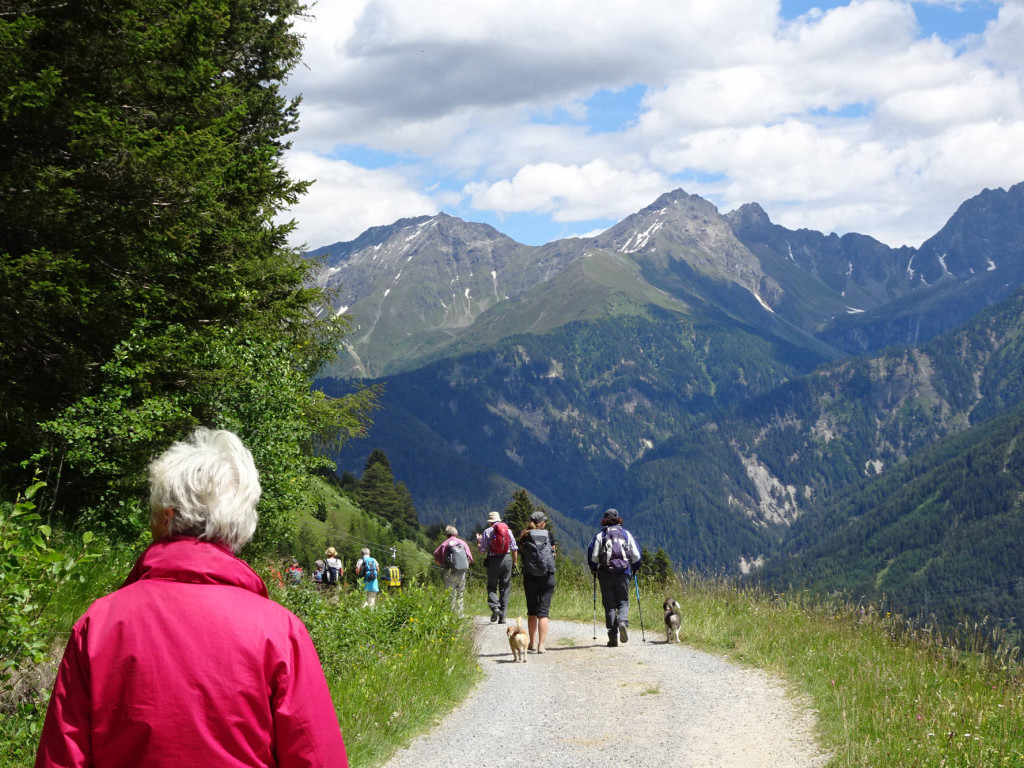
(501, 539)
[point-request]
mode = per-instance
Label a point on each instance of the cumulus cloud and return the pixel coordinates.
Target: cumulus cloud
(851, 118)
(571, 193)
(346, 200)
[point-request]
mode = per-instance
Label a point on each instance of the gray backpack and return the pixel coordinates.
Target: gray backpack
(538, 557)
(455, 557)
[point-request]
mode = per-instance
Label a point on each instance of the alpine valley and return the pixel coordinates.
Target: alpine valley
(807, 407)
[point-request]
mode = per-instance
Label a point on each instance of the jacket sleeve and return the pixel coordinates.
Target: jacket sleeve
(437, 553)
(592, 553)
(635, 554)
(306, 730)
(469, 551)
(66, 739)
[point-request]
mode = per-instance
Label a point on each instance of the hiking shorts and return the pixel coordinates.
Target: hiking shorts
(539, 590)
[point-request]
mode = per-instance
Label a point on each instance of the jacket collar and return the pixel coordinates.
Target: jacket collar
(187, 559)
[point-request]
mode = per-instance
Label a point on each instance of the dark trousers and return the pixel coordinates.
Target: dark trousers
(499, 580)
(614, 598)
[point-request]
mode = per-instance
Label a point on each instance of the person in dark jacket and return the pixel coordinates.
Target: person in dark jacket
(189, 663)
(614, 557)
(537, 553)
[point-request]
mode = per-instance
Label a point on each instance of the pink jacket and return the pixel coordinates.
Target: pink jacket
(443, 546)
(190, 664)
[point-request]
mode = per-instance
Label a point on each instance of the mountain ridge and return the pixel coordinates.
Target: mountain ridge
(718, 377)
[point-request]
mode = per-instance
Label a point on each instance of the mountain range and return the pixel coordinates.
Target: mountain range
(727, 383)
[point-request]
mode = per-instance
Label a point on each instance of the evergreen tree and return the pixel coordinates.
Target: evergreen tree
(517, 513)
(379, 494)
(659, 568)
(147, 286)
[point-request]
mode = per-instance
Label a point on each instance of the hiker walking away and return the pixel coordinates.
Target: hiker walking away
(368, 570)
(500, 556)
(333, 570)
(189, 663)
(318, 572)
(293, 573)
(454, 556)
(538, 554)
(614, 557)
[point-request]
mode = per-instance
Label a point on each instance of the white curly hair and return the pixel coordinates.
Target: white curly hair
(211, 483)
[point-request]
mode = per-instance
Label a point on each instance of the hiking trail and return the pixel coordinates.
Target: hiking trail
(582, 705)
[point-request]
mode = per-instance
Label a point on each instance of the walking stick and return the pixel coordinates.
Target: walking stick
(595, 604)
(641, 610)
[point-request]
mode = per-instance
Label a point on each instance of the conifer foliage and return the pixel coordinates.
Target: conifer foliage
(379, 494)
(146, 286)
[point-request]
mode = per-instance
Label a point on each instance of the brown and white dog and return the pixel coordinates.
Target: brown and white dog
(517, 641)
(673, 619)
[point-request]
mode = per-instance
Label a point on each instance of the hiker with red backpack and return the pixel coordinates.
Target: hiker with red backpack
(454, 556)
(614, 558)
(500, 556)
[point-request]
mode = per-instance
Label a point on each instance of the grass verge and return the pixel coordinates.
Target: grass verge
(886, 692)
(393, 671)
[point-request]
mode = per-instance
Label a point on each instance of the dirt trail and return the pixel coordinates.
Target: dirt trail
(641, 704)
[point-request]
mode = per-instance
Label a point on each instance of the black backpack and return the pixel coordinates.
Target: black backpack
(369, 569)
(330, 575)
(538, 557)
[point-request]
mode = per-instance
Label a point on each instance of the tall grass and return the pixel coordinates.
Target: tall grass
(393, 671)
(888, 692)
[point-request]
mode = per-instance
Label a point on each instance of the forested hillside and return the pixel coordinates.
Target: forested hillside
(813, 439)
(941, 534)
(146, 287)
(562, 413)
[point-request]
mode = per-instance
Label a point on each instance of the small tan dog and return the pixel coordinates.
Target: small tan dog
(673, 619)
(517, 641)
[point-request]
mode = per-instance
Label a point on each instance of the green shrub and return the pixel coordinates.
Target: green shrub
(392, 671)
(34, 564)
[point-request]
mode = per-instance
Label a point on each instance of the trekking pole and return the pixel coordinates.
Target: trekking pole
(595, 604)
(641, 610)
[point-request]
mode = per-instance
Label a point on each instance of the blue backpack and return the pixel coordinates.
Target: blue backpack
(369, 569)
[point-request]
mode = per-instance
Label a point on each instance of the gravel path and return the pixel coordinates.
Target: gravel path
(583, 705)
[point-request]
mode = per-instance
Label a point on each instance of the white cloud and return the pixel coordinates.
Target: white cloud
(848, 119)
(571, 193)
(346, 200)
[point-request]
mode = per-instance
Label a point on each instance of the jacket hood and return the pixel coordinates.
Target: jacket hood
(189, 560)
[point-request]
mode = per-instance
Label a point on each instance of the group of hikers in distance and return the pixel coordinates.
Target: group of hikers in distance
(162, 671)
(613, 556)
(329, 572)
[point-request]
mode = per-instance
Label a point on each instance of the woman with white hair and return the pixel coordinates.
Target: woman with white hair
(454, 556)
(189, 662)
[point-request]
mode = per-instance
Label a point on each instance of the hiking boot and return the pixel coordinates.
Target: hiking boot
(623, 635)
(613, 639)
(613, 643)
(501, 619)
(494, 616)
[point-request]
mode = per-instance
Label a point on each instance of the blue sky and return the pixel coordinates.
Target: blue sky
(553, 119)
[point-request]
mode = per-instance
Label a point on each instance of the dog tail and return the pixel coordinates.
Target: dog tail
(519, 622)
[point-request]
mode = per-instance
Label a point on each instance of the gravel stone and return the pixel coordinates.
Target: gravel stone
(583, 705)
